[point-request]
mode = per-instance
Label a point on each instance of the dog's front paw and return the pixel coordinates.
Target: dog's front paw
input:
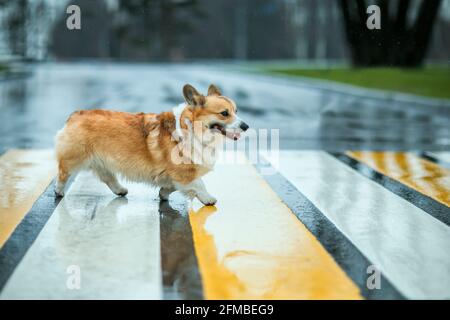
(59, 193)
(207, 200)
(121, 192)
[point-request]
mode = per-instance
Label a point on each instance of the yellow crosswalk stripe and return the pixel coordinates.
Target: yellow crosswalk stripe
(24, 175)
(419, 174)
(251, 246)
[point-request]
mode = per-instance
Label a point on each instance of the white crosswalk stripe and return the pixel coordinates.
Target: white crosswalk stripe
(114, 242)
(115, 247)
(409, 246)
(441, 156)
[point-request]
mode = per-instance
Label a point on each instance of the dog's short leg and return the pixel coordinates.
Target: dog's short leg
(164, 193)
(61, 180)
(197, 189)
(111, 181)
(59, 187)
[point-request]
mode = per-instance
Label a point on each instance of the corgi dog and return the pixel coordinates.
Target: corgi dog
(145, 147)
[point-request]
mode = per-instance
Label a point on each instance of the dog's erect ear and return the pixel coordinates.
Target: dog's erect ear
(192, 96)
(213, 91)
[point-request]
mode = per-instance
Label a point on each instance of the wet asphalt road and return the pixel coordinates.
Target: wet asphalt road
(394, 215)
(33, 108)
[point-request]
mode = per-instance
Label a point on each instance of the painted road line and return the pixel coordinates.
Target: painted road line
(405, 243)
(251, 246)
(429, 205)
(419, 174)
(444, 156)
(112, 243)
(441, 158)
(344, 252)
(24, 175)
(25, 233)
(181, 278)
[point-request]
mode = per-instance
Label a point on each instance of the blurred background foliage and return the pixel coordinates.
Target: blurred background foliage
(288, 36)
(433, 81)
(179, 30)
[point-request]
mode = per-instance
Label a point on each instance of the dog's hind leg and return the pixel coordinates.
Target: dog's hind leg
(70, 156)
(61, 179)
(110, 180)
(66, 167)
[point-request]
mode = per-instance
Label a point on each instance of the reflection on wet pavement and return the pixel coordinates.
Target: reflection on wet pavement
(24, 175)
(113, 242)
(34, 108)
(409, 246)
(181, 278)
(251, 246)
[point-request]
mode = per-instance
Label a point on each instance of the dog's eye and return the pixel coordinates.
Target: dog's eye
(225, 113)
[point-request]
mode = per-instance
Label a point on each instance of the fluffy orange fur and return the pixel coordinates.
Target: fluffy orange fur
(138, 146)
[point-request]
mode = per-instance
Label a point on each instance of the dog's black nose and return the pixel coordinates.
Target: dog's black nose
(243, 126)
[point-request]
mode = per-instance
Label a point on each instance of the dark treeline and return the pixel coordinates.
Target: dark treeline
(403, 39)
(162, 30)
(178, 30)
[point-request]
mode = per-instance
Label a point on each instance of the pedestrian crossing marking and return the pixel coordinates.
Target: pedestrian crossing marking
(114, 242)
(24, 175)
(406, 244)
(251, 246)
(419, 174)
(440, 156)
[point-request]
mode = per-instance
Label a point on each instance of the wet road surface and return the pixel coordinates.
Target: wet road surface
(308, 117)
(313, 222)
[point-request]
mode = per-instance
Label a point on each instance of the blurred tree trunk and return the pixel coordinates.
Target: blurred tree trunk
(241, 26)
(167, 29)
(313, 25)
(17, 28)
(162, 24)
(397, 43)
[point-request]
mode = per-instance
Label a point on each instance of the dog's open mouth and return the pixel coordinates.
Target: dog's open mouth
(231, 134)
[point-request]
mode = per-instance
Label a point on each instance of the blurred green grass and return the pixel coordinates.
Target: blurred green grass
(4, 68)
(429, 82)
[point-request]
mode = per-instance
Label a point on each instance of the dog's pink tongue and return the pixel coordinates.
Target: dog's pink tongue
(233, 135)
